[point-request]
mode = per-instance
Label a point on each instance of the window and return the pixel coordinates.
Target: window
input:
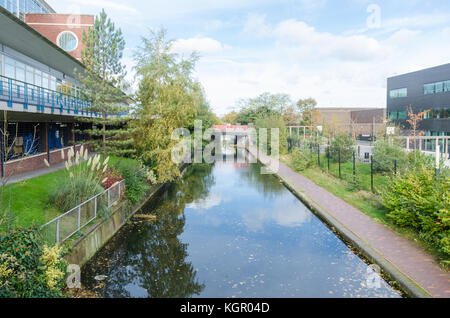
(447, 86)
(428, 89)
(435, 88)
(398, 93)
(439, 87)
(402, 114)
(67, 41)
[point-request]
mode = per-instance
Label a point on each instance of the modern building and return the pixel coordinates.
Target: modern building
(360, 122)
(40, 103)
(20, 7)
(422, 91)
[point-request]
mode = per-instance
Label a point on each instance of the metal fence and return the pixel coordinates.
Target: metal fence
(71, 222)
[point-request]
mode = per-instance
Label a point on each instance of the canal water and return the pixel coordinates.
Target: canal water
(225, 230)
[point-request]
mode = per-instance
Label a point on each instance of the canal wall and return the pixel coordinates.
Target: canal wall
(410, 287)
(99, 234)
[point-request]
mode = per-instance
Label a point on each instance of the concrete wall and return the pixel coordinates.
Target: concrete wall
(97, 236)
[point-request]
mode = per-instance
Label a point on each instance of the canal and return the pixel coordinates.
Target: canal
(225, 230)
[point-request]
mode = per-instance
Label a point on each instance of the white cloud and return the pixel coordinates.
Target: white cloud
(202, 45)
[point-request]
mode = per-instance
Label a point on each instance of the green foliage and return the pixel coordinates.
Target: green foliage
(262, 106)
(306, 108)
(416, 200)
(419, 159)
(385, 152)
(135, 179)
(345, 145)
(169, 98)
(27, 269)
(102, 79)
(272, 121)
(82, 182)
(302, 160)
(355, 182)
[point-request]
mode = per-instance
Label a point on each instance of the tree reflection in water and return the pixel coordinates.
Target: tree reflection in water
(146, 258)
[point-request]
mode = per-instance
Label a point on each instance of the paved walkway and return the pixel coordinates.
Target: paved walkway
(402, 253)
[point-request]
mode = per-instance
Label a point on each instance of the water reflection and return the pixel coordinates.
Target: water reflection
(228, 231)
(155, 259)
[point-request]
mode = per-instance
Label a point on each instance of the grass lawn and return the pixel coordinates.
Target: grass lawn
(363, 200)
(28, 200)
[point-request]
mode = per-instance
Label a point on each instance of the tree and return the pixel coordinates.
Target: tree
(414, 121)
(230, 118)
(168, 98)
(291, 117)
(306, 108)
(102, 80)
(263, 105)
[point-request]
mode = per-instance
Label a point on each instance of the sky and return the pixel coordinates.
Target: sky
(339, 52)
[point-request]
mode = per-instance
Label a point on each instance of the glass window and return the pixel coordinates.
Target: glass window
(447, 86)
(402, 114)
(10, 71)
(67, 41)
(20, 74)
(30, 75)
(398, 93)
(439, 87)
(45, 80)
(428, 89)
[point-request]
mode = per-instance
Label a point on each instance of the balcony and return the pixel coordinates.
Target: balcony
(19, 96)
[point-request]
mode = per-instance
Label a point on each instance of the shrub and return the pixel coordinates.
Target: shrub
(273, 121)
(83, 180)
(385, 153)
(355, 182)
(28, 269)
(417, 200)
(110, 177)
(135, 179)
(302, 159)
(345, 145)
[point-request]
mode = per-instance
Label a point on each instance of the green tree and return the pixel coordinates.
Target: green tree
(307, 107)
(261, 106)
(168, 98)
(102, 81)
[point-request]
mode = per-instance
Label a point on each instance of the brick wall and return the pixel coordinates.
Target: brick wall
(51, 26)
(35, 162)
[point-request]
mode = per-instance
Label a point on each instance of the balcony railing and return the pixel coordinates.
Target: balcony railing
(46, 101)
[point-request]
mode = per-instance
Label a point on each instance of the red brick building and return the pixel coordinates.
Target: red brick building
(65, 30)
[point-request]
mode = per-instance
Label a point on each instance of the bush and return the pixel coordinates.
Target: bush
(273, 121)
(68, 195)
(83, 180)
(28, 269)
(135, 179)
(385, 153)
(302, 159)
(346, 146)
(111, 177)
(416, 200)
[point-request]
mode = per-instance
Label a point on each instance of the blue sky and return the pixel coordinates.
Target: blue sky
(339, 52)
